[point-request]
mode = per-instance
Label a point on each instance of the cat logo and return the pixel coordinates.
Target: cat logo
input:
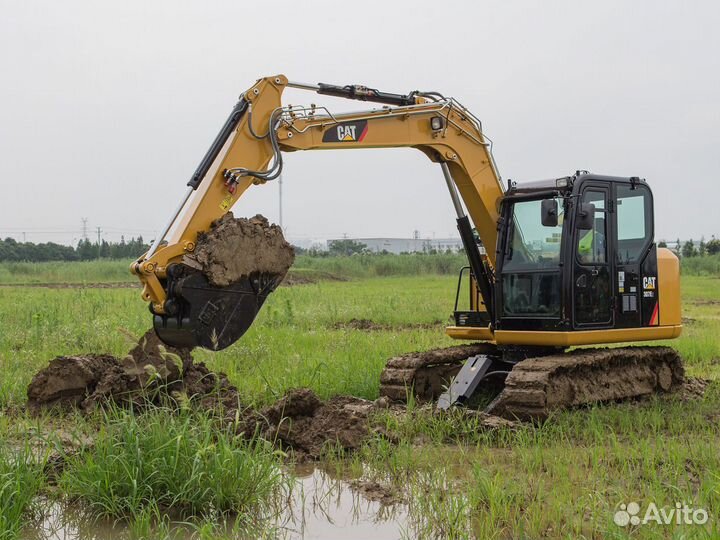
(347, 132)
(649, 283)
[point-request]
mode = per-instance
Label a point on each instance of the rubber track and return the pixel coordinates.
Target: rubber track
(537, 386)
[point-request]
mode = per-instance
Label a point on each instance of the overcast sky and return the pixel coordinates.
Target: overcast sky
(106, 108)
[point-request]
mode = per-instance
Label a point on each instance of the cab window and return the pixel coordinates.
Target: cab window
(634, 222)
(592, 243)
(532, 246)
(531, 263)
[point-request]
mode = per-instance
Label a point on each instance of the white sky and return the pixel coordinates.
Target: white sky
(106, 108)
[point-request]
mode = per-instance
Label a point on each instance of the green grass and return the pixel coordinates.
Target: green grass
(357, 266)
(141, 465)
(293, 342)
(20, 480)
(708, 265)
(66, 272)
(352, 267)
(563, 479)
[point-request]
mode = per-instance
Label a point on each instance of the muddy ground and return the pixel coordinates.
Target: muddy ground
(236, 247)
(155, 373)
(369, 325)
(299, 421)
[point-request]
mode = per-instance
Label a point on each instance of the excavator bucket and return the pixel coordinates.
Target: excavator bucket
(202, 315)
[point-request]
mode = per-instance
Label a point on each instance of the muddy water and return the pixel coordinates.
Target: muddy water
(321, 507)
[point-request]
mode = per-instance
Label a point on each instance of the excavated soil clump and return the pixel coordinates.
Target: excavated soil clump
(302, 422)
(151, 372)
(235, 248)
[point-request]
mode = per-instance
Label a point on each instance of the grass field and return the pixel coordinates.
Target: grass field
(564, 479)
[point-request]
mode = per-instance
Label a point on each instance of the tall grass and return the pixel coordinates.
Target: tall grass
(356, 266)
(381, 265)
(171, 460)
(104, 270)
(708, 265)
(20, 479)
(318, 268)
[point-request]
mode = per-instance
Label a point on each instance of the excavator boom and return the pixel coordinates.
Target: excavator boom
(248, 151)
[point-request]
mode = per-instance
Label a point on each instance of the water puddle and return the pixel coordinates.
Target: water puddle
(321, 506)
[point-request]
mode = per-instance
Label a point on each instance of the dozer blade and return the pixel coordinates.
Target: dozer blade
(537, 386)
(427, 374)
(201, 315)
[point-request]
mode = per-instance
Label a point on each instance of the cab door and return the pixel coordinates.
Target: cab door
(592, 264)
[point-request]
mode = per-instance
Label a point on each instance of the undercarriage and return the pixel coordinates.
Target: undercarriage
(530, 384)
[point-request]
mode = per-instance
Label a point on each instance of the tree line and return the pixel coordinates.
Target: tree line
(13, 251)
(689, 249)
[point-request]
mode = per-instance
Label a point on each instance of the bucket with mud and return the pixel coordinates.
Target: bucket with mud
(218, 290)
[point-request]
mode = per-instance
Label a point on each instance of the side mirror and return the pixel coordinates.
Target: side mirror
(585, 219)
(549, 212)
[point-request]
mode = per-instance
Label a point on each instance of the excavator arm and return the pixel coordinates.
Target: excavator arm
(248, 152)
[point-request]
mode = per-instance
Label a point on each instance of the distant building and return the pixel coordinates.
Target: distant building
(407, 245)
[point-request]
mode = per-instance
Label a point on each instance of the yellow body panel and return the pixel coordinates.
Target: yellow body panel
(565, 339)
(669, 287)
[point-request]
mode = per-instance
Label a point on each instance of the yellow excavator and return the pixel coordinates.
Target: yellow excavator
(552, 264)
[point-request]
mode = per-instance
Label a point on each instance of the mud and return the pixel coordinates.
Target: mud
(693, 388)
(310, 427)
(372, 490)
(234, 248)
(151, 372)
(368, 325)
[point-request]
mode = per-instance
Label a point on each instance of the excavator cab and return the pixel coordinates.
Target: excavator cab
(577, 263)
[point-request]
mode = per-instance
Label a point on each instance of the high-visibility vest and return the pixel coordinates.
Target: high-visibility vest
(586, 243)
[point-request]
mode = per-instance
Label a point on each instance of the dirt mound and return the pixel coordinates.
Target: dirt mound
(150, 372)
(72, 380)
(236, 247)
(384, 493)
(309, 426)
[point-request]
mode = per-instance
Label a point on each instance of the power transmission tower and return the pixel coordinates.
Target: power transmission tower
(84, 228)
(99, 232)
